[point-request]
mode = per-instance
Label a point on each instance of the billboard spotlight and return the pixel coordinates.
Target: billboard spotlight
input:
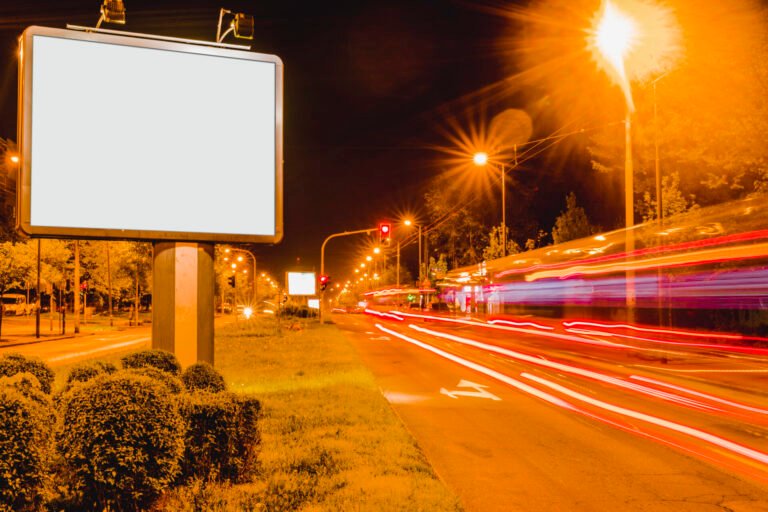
(112, 11)
(241, 24)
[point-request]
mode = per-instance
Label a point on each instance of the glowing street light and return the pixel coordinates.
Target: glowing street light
(376, 250)
(614, 36)
(480, 158)
(368, 258)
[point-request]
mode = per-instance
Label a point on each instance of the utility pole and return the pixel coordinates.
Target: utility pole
(76, 287)
(109, 286)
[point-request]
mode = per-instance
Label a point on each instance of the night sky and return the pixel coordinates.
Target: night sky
(368, 86)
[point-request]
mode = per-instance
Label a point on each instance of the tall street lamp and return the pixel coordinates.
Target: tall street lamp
(614, 35)
(481, 159)
(409, 223)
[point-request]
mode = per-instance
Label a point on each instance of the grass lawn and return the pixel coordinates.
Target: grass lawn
(330, 441)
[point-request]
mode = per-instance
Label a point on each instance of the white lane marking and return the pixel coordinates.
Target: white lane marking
(671, 397)
(698, 393)
(683, 429)
(480, 391)
(100, 349)
(381, 338)
(697, 371)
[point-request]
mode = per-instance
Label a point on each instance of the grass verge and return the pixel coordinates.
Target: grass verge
(330, 441)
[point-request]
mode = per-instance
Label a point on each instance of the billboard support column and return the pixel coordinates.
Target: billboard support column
(182, 300)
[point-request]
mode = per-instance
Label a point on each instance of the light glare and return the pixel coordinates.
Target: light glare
(480, 158)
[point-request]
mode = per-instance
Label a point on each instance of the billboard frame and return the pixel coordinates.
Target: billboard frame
(24, 133)
(305, 272)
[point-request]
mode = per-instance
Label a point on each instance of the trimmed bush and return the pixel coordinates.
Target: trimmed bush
(298, 311)
(26, 447)
(203, 377)
(173, 384)
(160, 359)
(11, 364)
(87, 371)
(222, 440)
(28, 385)
(121, 437)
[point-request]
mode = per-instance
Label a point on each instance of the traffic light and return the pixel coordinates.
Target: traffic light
(324, 280)
(231, 281)
(385, 232)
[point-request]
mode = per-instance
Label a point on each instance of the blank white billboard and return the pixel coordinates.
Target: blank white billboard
(124, 137)
(301, 283)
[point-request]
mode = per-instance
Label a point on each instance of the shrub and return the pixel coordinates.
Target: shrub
(11, 364)
(222, 440)
(171, 382)
(121, 437)
(26, 448)
(203, 377)
(87, 371)
(298, 311)
(26, 384)
(160, 359)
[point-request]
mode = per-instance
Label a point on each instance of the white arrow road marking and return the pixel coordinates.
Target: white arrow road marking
(479, 391)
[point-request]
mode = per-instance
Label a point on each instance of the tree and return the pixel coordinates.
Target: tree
(389, 275)
(457, 231)
(572, 223)
(674, 202)
(494, 248)
(437, 269)
(533, 243)
(15, 266)
(132, 270)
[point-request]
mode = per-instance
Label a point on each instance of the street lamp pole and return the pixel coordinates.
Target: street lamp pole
(659, 198)
(397, 269)
(481, 159)
(503, 211)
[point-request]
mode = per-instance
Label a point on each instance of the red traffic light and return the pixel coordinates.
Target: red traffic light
(324, 280)
(385, 231)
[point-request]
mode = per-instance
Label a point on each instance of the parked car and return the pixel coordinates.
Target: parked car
(16, 304)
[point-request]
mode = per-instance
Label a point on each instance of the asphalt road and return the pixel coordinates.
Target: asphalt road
(69, 350)
(554, 417)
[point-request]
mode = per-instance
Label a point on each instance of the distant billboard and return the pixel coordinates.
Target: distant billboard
(124, 137)
(301, 283)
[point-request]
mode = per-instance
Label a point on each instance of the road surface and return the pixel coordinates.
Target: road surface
(547, 416)
(70, 350)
